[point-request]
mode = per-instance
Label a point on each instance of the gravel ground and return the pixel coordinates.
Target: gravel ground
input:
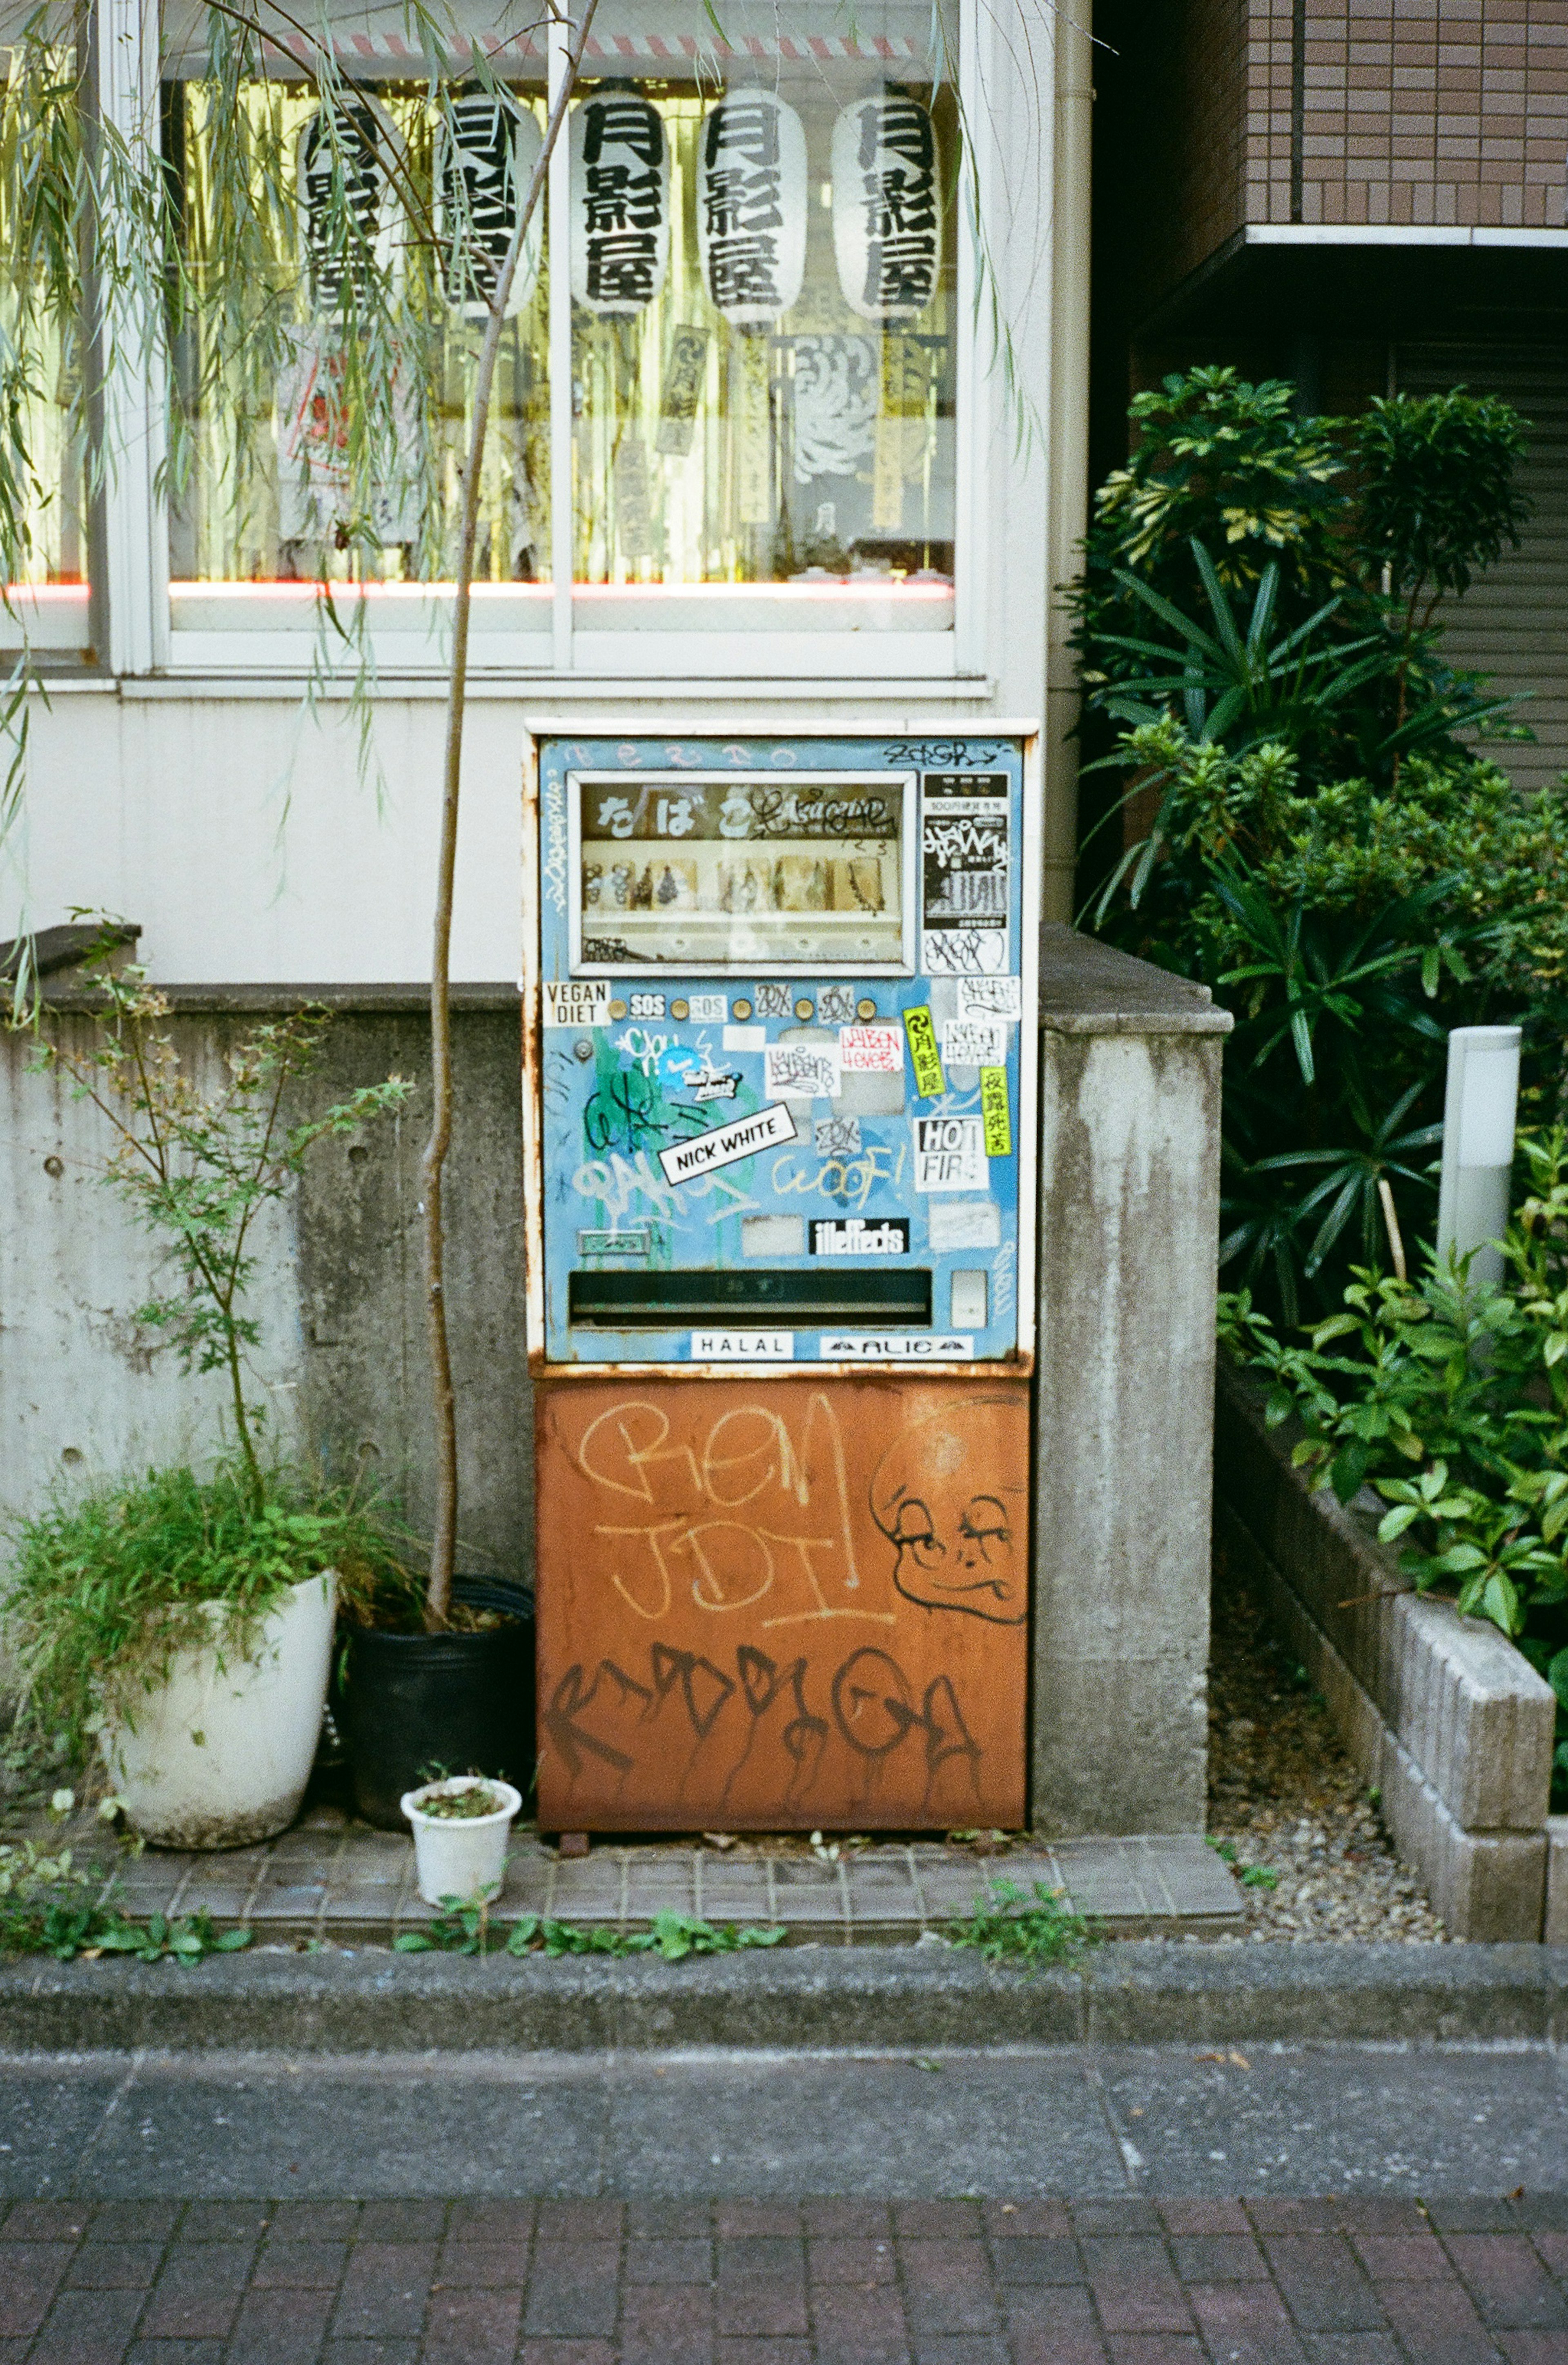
(1285, 1800)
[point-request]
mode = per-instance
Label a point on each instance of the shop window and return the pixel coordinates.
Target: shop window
(321, 393)
(750, 295)
(44, 511)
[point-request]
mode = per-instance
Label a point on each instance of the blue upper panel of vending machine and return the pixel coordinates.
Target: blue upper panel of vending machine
(781, 1012)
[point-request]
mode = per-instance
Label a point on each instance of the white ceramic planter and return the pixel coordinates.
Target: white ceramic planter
(220, 1753)
(462, 1856)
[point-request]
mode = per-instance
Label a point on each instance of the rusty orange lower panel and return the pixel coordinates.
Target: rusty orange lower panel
(770, 1605)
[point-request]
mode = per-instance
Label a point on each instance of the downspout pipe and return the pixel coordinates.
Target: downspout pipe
(1069, 435)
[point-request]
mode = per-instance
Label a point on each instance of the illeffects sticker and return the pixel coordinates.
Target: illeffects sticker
(994, 1115)
(949, 1154)
(578, 1001)
(870, 1051)
(801, 1072)
(929, 1080)
(705, 1153)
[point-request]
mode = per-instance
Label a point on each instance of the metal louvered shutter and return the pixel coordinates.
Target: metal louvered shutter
(1513, 622)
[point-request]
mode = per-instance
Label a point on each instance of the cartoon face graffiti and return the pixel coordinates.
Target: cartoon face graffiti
(956, 1516)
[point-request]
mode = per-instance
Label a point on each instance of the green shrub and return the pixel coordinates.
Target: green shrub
(1450, 1399)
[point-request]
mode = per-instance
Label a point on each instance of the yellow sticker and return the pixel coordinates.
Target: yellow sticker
(929, 1079)
(993, 1109)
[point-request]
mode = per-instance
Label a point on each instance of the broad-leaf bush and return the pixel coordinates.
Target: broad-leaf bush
(1448, 1397)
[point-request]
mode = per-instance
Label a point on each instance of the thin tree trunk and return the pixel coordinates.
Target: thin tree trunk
(443, 1406)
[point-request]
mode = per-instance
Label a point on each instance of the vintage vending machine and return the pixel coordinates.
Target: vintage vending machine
(778, 1124)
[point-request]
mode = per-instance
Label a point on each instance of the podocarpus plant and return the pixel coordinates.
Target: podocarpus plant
(197, 1168)
(1303, 829)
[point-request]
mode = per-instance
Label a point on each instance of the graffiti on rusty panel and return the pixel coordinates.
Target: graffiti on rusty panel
(775, 1604)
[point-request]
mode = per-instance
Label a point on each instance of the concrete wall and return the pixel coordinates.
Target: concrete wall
(85, 1392)
(1129, 1215)
(1129, 1199)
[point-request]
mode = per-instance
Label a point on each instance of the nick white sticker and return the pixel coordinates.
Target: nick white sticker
(949, 1154)
(801, 1072)
(872, 1050)
(705, 1153)
(578, 1001)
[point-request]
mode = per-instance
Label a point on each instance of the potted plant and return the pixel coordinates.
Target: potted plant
(186, 1620)
(461, 1825)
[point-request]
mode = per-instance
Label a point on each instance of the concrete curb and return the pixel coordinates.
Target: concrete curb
(841, 1998)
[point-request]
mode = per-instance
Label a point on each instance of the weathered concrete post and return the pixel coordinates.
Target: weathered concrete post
(1129, 1210)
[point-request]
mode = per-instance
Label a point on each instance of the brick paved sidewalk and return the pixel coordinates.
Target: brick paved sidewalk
(828, 2282)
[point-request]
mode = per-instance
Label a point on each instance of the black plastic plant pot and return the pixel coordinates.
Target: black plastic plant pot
(414, 1704)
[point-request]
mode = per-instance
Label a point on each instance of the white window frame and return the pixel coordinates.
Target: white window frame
(141, 637)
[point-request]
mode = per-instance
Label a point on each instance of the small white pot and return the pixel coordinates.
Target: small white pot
(221, 1751)
(462, 1855)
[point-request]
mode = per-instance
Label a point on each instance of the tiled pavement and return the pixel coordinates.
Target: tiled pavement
(331, 1877)
(825, 2282)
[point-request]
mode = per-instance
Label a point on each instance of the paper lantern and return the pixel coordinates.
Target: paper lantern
(344, 146)
(752, 200)
(620, 202)
(887, 206)
(485, 159)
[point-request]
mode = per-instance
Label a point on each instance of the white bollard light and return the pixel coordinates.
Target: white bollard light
(1479, 1115)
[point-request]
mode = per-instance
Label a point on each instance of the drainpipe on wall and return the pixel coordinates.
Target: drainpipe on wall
(1069, 427)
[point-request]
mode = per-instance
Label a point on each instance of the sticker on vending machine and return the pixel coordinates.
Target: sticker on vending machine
(994, 1113)
(929, 1080)
(949, 1154)
(578, 1001)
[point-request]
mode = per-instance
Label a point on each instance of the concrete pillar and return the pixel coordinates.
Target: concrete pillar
(1129, 1212)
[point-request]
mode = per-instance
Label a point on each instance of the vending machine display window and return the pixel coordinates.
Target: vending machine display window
(715, 877)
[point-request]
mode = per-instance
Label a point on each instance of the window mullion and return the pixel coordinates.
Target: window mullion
(561, 536)
(135, 553)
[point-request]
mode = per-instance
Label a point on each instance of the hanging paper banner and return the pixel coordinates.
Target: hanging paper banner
(484, 159)
(754, 437)
(887, 211)
(751, 208)
(315, 480)
(348, 215)
(682, 392)
(620, 203)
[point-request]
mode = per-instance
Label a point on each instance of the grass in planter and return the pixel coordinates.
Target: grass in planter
(106, 1588)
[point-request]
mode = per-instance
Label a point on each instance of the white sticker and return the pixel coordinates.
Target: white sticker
(743, 1347)
(578, 1001)
(708, 1009)
(855, 1347)
(963, 952)
(704, 1153)
(745, 1039)
(974, 1042)
(990, 997)
(949, 1154)
(872, 1050)
(963, 1223)
(801, 1072)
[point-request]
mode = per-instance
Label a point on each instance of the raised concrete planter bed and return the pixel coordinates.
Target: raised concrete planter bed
(1440, 1712)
